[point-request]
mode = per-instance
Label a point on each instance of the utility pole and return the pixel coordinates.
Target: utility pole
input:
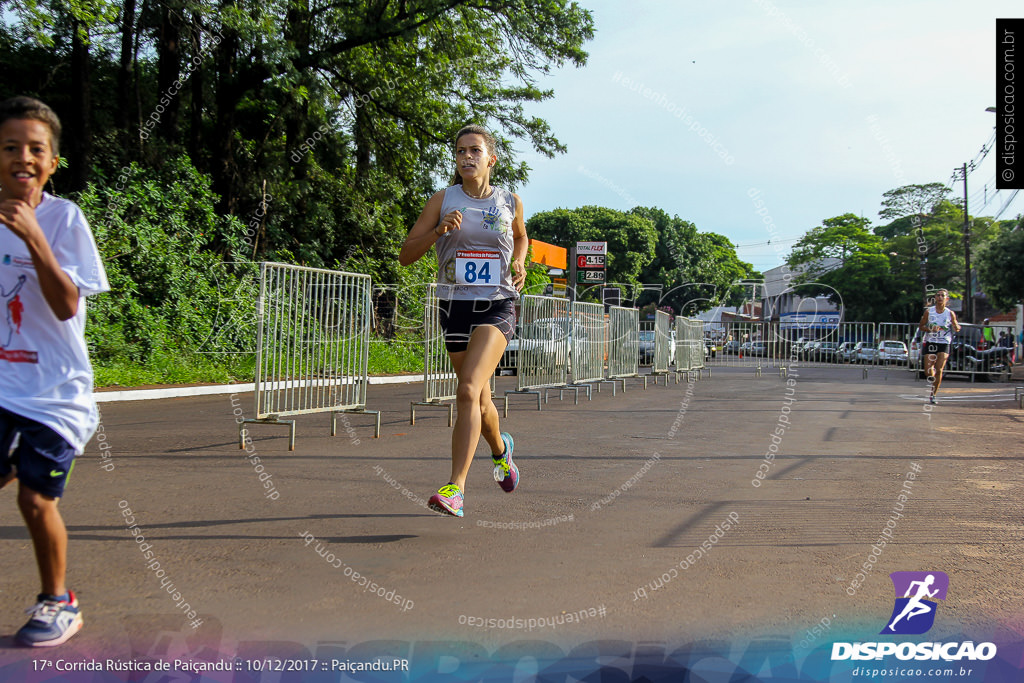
(968, 308)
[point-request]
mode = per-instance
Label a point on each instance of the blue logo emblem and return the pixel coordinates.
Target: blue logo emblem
(914, 611)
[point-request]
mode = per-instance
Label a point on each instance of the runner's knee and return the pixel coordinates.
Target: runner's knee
(469, 391)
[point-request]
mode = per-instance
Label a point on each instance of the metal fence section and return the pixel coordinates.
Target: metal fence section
(738, 344)
(662, 343)
(540, 350)
(977, 351)
(689, 345)
(439, 379)
(695, 343)
(588, 342)
(645, 351)
(312, 345)
(624, 342)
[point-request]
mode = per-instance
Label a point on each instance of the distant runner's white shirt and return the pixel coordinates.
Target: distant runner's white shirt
(943, 320)
(45, 374)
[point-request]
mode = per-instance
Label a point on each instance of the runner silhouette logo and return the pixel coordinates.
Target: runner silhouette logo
(916, 595)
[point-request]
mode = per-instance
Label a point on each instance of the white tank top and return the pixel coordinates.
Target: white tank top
(474, 262)
(943, 320)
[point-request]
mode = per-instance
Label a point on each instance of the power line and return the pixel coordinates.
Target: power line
(763, 244)
(1007, 205)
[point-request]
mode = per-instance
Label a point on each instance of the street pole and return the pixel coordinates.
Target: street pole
(967, 310)
(969, 295)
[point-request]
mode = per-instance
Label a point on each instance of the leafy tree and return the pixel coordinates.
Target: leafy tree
(912, 200)
(169, 288)
(1001, 267)
(697, 270)
(631, 238)
(860, 281)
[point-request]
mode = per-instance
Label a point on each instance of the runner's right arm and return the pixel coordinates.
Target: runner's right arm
(428, 228)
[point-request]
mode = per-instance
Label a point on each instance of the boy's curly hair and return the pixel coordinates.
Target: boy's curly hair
(22, 107)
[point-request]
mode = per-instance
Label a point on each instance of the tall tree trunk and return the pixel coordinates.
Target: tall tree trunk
(80, 130)
(222, 165)
(296, 128)
(122, 113)
(136, 123)
(362, 139)
(195, 126)
(168, 70)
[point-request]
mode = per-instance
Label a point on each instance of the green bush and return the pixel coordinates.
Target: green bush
(182, 294)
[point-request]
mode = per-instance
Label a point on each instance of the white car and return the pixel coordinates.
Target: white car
(864, 352)
(892, 352)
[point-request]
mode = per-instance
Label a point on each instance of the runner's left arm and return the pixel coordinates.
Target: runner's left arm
(520, 244)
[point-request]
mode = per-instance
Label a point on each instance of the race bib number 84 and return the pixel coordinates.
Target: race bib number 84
(477, 267)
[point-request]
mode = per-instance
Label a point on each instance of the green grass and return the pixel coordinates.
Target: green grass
(395, 357)
(387, 357)
(176, 369)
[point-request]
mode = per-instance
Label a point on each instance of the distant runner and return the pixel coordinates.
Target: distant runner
(938, 323)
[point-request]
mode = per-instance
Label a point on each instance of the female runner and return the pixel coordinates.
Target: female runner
(480, 238)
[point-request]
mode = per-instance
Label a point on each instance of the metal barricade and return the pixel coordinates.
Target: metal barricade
(623, 344)
(689, 355)
(541, 348)
(744, 344)
(857, 344)
(892, 344)
(976, 352)
(695, 334)
(662, 342)
(588, 343)
(809, 341)
(682, 351)
(312, 346)
(645, 350)
(439, 379)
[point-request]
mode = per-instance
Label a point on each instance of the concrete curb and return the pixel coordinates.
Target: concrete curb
(181, 392)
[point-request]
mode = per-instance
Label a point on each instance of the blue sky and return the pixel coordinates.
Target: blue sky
(815, 108)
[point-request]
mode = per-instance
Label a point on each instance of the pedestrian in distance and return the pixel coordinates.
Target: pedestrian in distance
(479, 234)
(47, 413)
(938, 324)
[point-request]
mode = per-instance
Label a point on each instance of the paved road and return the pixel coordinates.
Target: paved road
(641, 518)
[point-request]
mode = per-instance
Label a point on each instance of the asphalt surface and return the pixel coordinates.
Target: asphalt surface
(639, 518)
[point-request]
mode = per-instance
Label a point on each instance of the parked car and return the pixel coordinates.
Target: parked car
(798, 347)
(808, 351)
(844, 352)
(646, 347)
(731, 347)
(914, 352)
(758, 348)
(542, 340)
(864, 352)
(827, 352)
(890, 351)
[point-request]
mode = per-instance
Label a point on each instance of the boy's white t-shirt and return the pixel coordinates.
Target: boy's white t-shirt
(45, 374)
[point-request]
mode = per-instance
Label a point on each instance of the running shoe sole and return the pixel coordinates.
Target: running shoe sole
(507, 483)
(439, 504)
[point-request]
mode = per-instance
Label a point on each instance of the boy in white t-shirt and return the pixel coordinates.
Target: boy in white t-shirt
(48, 265)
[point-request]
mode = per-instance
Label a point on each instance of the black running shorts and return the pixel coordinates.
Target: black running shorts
(459, 317)
(931, 348)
